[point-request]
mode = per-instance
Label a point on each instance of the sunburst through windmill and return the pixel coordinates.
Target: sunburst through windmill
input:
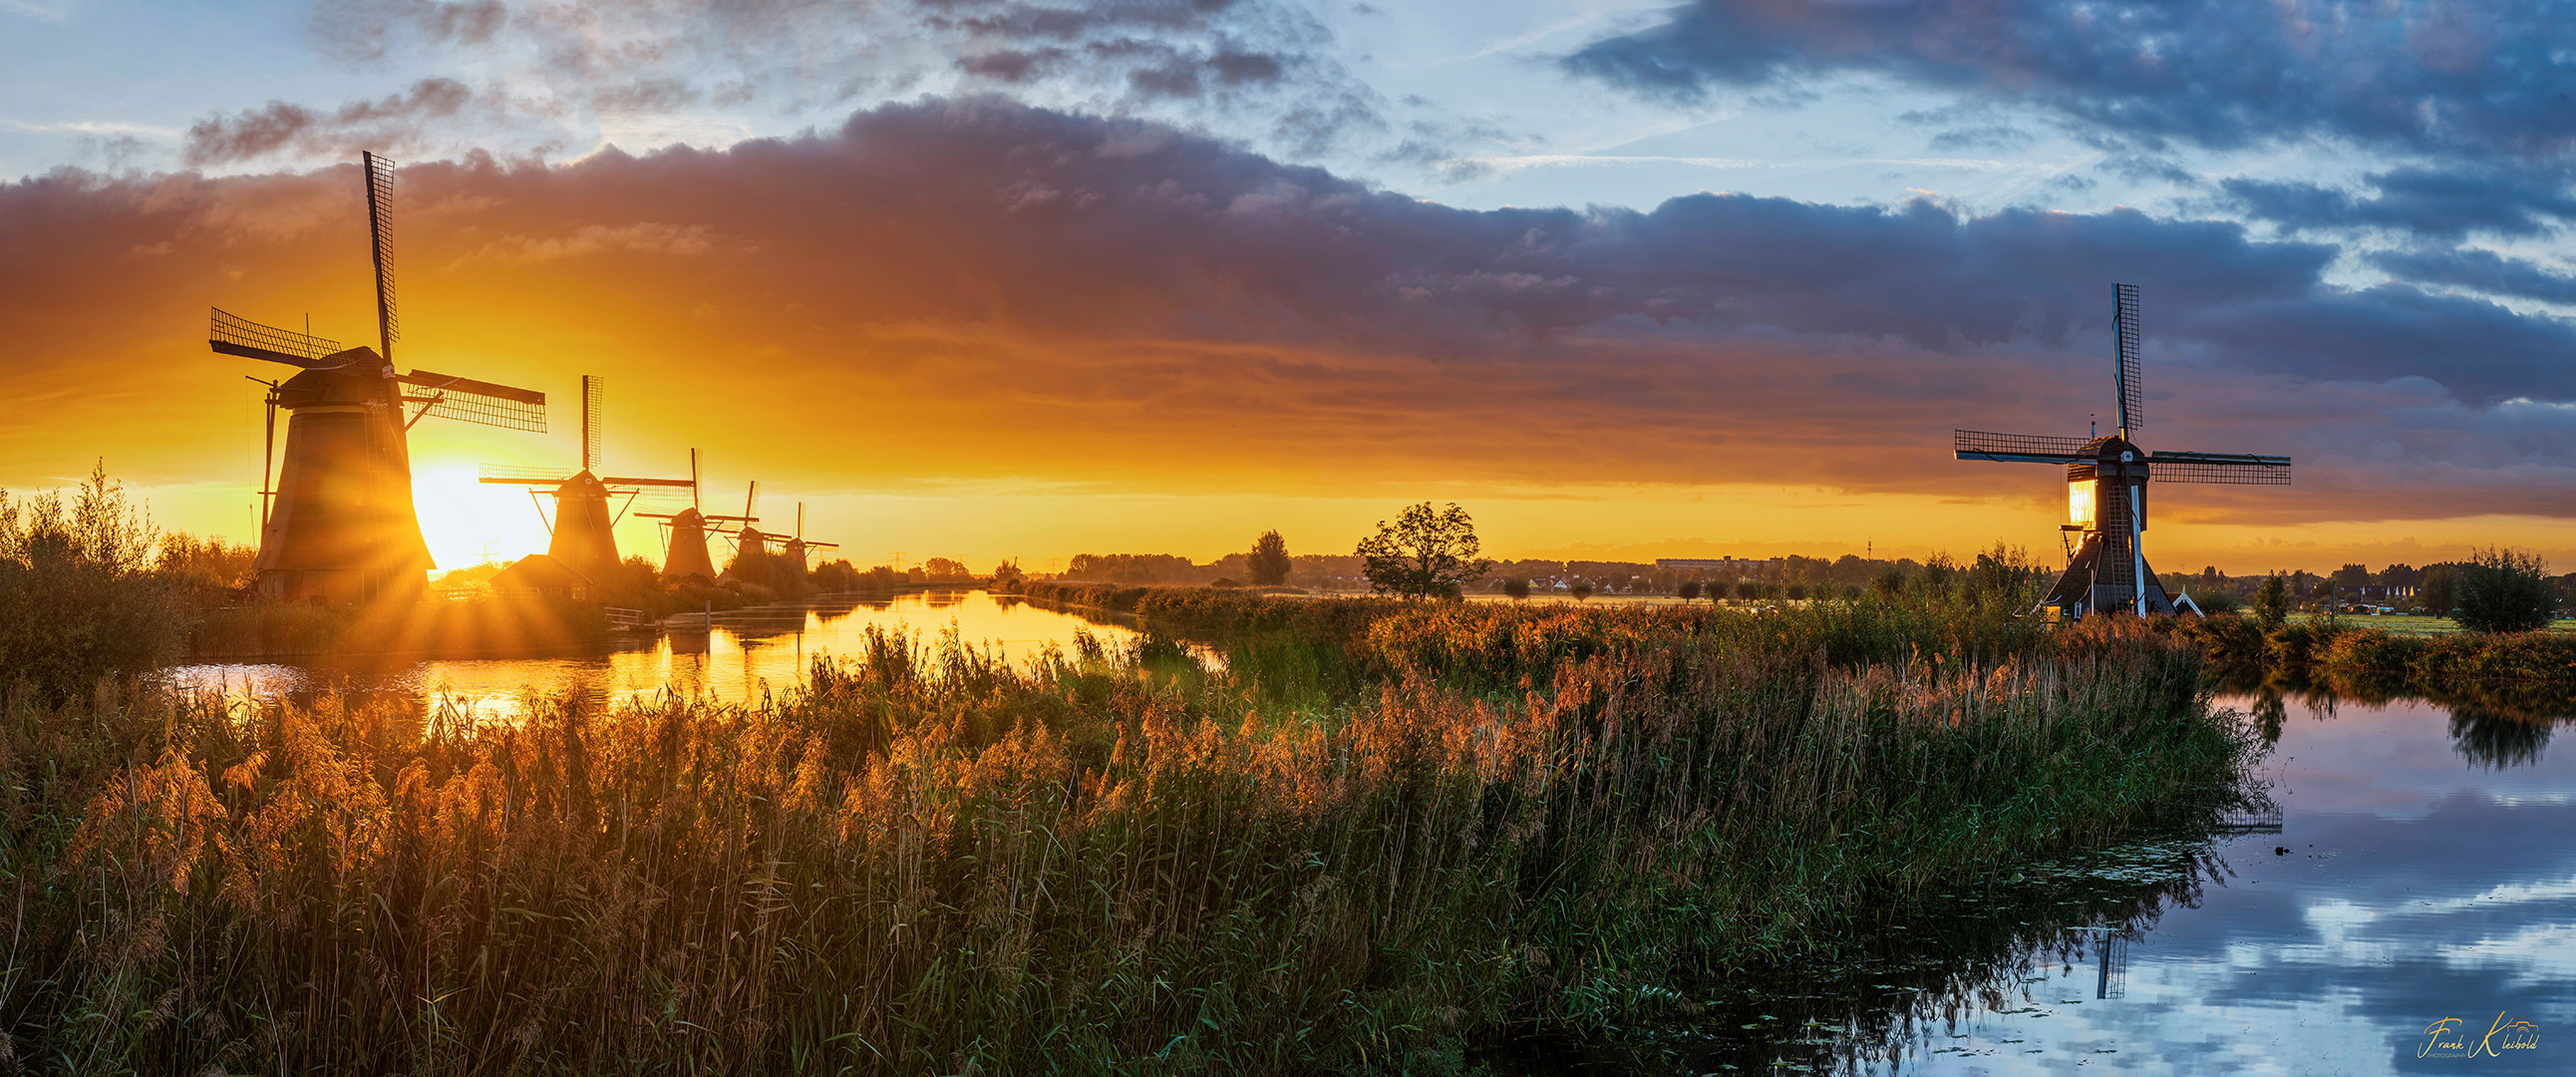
(338, 523)
(2106, 487)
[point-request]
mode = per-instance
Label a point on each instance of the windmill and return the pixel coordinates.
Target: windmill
(585, 539)
(687, 550)
(796, 545)
(338, 523)
(2106, 487)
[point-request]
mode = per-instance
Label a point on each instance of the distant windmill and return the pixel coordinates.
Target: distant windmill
(796, 545)
(687, 554)
(2106, 487)
(342, 525)
(585, 539)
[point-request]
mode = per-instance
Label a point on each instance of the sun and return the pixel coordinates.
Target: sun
(467, 523)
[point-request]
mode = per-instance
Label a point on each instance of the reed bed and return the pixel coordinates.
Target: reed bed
(929, 861)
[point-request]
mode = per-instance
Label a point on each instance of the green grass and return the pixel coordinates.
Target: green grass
(1381, 832)
(2429, 626)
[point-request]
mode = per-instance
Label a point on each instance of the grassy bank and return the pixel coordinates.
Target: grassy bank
(2321, 646)
(1381, 833)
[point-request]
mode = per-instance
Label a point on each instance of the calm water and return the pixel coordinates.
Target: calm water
(745, 654)
(2422, 867)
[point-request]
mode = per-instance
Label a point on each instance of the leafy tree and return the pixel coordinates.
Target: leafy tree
(1268, 563)
(1425, 553)
(1516, 587)
(1689, 590)
(1888, 582)
(2501, 590)
(2439, 591)
(2272, 603)
(947, 569)
(1007, 572)
(1748, 590)
(1581, 590)
(2401, 574)
(1797, 591)
(2352, 577)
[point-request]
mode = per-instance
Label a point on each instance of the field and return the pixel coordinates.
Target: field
(2428, 626)
(1381, 834)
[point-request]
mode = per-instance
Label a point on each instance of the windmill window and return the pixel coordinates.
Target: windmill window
(2079, 500)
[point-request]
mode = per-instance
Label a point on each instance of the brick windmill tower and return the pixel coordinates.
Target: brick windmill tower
(2106, 487)
(338, 523)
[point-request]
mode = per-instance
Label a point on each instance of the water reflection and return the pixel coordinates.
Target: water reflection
(2422, 867)
(739, 656)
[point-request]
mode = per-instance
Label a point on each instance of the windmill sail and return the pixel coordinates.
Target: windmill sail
(2220, 469)
(380, 235)
(232, 334)
(2016, 448)
(468, 400)
(2124, 302)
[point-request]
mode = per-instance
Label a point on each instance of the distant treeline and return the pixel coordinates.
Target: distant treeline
(1346, 572)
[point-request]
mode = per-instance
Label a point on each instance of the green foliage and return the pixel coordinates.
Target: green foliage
(2501, 590)
(80, 596)
(1268, 562)
(1426, 553)
(2272, 603)
(2439, 593)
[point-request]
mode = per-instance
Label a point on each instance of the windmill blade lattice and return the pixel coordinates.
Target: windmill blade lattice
(380, 233)
(2124, 301)
(2018, 448)
(232, 334)
(468, 400)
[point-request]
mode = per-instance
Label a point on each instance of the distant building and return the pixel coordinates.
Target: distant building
(541, 574)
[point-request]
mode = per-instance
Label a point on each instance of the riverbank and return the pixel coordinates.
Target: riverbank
(1381, 833)
(2431, 662)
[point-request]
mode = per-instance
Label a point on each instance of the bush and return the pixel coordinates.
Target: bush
(2502, 590)
(1517, 588)
(79, 597)
(1581, 591)
(1689, 590)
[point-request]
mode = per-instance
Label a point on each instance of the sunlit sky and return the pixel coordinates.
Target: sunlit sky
(990, 279)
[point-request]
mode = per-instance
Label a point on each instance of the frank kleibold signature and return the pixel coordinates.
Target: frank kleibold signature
(2450, 1038)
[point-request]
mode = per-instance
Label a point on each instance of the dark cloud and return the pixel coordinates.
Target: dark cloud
(1125, 294)
(2428, 78)
(393, 121)
(2480, 270)
(2448, 203)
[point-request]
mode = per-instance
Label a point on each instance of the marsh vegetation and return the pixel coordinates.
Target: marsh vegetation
(1381, 833)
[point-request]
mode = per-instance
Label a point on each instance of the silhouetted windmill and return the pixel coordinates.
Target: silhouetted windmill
(585, 539)
(795, 547)
(2106, 486)
(342, 525)
(687, 548)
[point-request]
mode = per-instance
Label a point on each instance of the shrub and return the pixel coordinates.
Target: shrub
(1581, 590)
(1689, 590)
(1517, 588)
(79, 597)
(2501, 590)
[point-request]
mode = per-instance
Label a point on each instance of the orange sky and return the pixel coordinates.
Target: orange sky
(961, 340)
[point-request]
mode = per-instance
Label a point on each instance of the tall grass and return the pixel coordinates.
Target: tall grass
(929, 861)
